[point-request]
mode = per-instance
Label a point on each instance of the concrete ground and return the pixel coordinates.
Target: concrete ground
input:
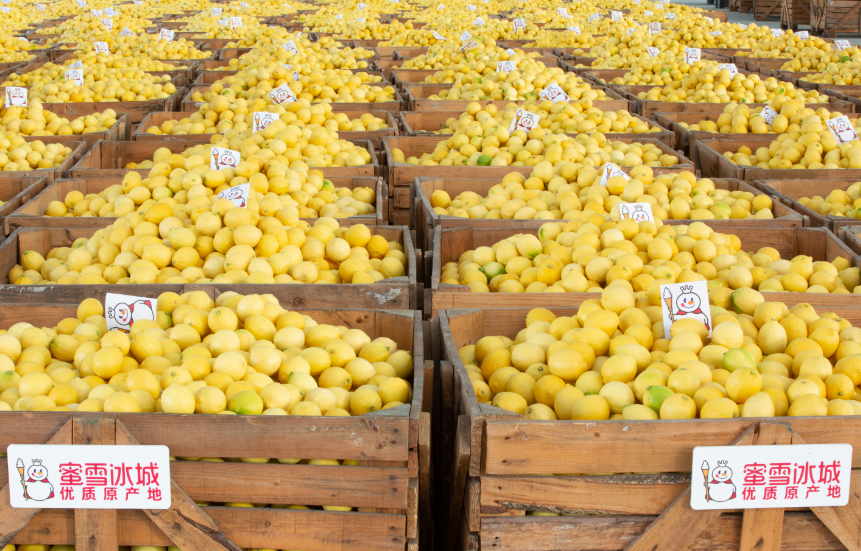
(747, 18)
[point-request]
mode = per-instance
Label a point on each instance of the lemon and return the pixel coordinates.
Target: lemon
(282, 396)
(638, 412)
(564, 400)
(121, 402)
(655, 395)
(737, 358)
(618, 395)
(808, 405)
(728, 335)
(678, 406)
(365, 400)
(620, 367)
(232, 364)
(720, 408)
(245, 402)
(107, 362)
(590, 408)
(177, 399)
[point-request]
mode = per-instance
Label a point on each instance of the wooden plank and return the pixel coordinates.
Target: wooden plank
(762, 529)
(460, 462)
(425, 480)
(13, 520)
(95, 529)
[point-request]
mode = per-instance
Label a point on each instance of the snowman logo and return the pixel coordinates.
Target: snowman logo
(719, 486)
(688, 306)
(36, 484)
(844, 130)
(639, 214)
(279, 95)
(127, 314)
(224, 158)
(525, 120)
(16, 96)
(234, 194)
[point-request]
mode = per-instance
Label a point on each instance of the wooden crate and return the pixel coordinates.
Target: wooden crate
(709, 159)
(852, 94)
(818, 243)
(789, 191)
(403, 174)
(15, 192)
(794, 13)
(417, 100)
(408, 77)
(189, 105)
(186, 74)
(209, 78)
(766, 9)
(427, 220)
(632, 484)
(741, 6)
(392, 446)
(157, 119)
(120, 131)
(31, 213)
(78, 147)
(417, 123)
(136, 110)
(833, 17)
(107, 159)
(386, 294)
(685, 139)
(850, 235)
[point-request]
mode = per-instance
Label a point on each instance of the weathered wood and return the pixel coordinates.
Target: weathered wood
(95, 529)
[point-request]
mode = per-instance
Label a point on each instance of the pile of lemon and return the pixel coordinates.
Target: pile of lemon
(238, 118)
(586, 256)
(414, 37)
(837, 203)
(676, 197)
(12, 48)
(559, 118)
(16, 154)
(842, 68)
(791, 46)
(713, 85)
(563, 39)
(812, 145)
(34, 121)
(473, 146)
(739, 119)
(326, 53)
(101, 84)
(243, 355)
(611, 361)
(157, 246)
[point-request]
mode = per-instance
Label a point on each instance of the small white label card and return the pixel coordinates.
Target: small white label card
(223, 22)
(235, 22)
(77, 65)
(282, 94)
(469, 45)
(631, 31)
(464, 36)
(138, 2)
(361, 6)
(440, 8)
(842, 44)
(223, 158)
(166, 34)
(670, 16)
(574, 29)
(524, 120)
(647, 13)
(765, 477)
(5, 9)
(360, 20)
(561, 11)
(82, 3)
(89, 477)
(261, 119)
(554, 93)
(654, 28)
(768, 114)
(295, 76)
(842, 129)
(638, 212)
(121, 311)
(733, 70)
(610, 170)
(659, 6)
(594, 17)
(290, 46)
(16, 96)
(470, 7)
(510, 52)
(216, 12)
(76, 75)
(519, 23)
(478, 22)
(685, 300)
(40, 7)
(692, 55)
(108, 23)
(615, 15)
(237, 194)
(438, 36)
(243, 4)
(339, 16)
(126, 32)
(776, 32)
(506, 66)
(95, 13)
(716, 33)
(637, 2)
(803, 34)
(654, 52)
(24, 39)
(102, 47)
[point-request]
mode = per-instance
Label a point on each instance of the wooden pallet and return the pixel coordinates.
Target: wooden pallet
(498, 465)
(392, 446)
(765, 9)
(794, 13)
(15, 192)
(819, 243)
(833, 17)
(789, 191)
(31, 214)
(108, 159)
(392, 293)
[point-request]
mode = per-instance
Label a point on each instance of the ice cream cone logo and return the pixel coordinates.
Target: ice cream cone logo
(705, 469)
(668, 300)
(623, 210)
(20, 466)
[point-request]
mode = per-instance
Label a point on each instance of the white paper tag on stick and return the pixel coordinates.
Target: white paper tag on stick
(842, 129)
(654, 28)
(76, 75)
(237, 194)
(76, 65)
(652, 51)
(102, 47)
(290, 46)
(733, 70)
(638, 212)
(223, 158)
(842, 44)
(692, 55)
(17, 96)
(282, 94)
(688, 300)
(803, 34)
(166, 34)
(610, 171)
(122, 311)
(506, 66)
(768, 114)
(554, 93)
(261, 119)
(524, 120)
